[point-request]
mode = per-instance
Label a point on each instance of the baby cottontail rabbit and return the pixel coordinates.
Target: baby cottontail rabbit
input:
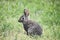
(31, 27)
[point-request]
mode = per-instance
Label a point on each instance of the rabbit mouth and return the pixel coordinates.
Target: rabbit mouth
(20, 21)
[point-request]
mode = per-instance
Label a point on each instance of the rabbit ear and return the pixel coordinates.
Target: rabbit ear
(26, 12)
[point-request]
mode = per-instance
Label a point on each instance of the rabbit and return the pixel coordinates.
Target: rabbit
(31, 27)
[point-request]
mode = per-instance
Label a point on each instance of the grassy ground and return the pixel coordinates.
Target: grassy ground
(47, 13)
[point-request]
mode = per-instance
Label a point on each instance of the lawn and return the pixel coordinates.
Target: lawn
(45, 12)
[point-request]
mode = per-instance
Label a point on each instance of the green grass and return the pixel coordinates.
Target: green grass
(45, 12)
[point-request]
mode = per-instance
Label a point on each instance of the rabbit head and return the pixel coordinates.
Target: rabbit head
(24, 17)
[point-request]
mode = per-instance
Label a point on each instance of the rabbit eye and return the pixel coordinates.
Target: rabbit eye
(22, 18)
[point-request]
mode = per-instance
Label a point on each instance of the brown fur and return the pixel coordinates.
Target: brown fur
(31, 27)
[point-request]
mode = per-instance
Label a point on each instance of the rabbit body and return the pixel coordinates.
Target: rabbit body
(32, 27)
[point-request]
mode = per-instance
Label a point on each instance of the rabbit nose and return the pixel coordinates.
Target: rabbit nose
(18, 20)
